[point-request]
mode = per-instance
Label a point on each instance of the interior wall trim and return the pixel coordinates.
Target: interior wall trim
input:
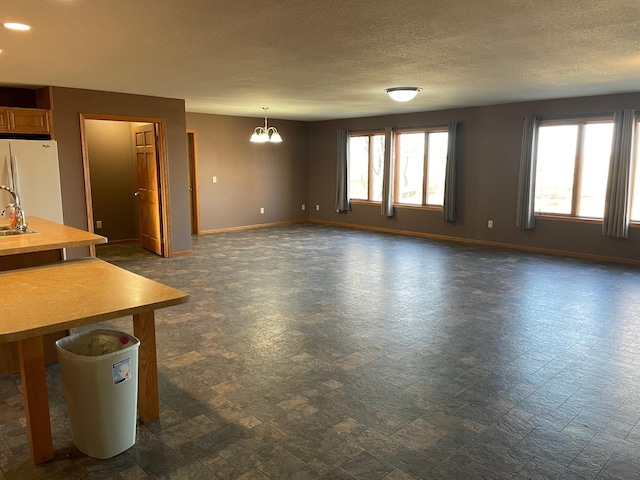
(472, 241)
(183, 253)
(252, 227)
(123, 240)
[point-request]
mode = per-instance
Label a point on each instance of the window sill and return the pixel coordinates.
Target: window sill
(433, 208)
(593, 221)
(404, 206)
(566, 218)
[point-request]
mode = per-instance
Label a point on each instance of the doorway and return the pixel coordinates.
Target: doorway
(126, 182)
(194, 207)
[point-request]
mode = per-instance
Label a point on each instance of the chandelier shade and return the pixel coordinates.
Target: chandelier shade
(265, 134)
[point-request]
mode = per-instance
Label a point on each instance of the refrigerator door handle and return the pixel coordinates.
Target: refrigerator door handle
(14, 181)
(9, 160)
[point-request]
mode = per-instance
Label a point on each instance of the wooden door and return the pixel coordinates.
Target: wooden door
(194, 208)
(148, 189)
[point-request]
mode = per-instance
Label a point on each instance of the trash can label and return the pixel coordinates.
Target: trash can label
(121, 371)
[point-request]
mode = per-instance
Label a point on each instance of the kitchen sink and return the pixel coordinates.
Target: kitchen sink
(7, 232)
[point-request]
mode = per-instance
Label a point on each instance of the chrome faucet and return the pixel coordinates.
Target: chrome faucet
(21, 223)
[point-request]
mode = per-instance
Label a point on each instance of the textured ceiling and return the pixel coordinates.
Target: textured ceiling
(323, 59)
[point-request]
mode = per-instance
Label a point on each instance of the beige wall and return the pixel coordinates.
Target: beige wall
(112, 161)
(488, 165)
(302, 170)
(69, 103)
(249, 176)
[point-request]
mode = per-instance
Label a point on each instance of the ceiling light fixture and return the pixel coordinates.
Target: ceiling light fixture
(266, 134)
(16, 26)
(402, 94)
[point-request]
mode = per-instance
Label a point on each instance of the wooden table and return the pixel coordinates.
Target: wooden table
(30, 250)
(46, 299)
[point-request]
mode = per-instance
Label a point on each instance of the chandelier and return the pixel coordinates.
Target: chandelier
(266, 134)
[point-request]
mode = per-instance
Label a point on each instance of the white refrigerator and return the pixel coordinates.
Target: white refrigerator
(30, 167)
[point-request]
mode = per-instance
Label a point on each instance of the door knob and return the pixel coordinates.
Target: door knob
(136, 194)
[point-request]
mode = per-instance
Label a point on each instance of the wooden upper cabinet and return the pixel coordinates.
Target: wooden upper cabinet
(4, 119)
(27, 120)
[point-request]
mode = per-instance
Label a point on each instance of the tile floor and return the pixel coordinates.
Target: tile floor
(317, 352)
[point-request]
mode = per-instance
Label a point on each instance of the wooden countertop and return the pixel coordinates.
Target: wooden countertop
(49, 236)
(50, 298)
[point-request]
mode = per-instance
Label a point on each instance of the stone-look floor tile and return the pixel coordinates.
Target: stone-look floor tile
(253, 475)
(190, 469)
(448, 471)
(367, 467)
(249, 422)
(219, 467)
(557, 447)
(399, 475)
(348, 427)
(419, 434)
(239, 455)
(414, 463)
(178, 435)
(286, 466)
(151, 454)
(622, 466)
(331, 459)
(311, 348)
(337, 474)
(542, 469)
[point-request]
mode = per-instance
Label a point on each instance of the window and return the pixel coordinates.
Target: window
(635, 192)
(421, 161)
(366, 162)
(572, 167)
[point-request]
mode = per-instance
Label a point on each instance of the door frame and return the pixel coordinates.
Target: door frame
(192, 141)
(163, 169)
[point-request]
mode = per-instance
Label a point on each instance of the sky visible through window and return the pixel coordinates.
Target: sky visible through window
(410, 180)
(560, 157)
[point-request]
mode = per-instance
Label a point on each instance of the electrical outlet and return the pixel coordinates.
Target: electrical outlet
(215, 179)
(317, 207)
(99, 224)
(304, 207)
(261, 209)
(490, 224)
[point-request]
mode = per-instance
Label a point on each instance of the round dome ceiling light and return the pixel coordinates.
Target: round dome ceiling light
(402, 94)
(16, 26)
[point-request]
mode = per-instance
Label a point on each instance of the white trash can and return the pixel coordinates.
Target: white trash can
(100, 378)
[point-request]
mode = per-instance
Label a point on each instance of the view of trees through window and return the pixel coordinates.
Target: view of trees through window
(420, 178)
(572, 168)
(366, 166)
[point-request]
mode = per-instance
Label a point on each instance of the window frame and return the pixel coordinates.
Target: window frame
(425, 166)
(580, 122)
(370, 134)
(635, 171)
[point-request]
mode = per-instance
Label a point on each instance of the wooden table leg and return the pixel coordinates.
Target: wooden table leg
(36, 398)
(144, 328)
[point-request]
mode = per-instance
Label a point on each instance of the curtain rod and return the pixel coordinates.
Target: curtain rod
(409, 127)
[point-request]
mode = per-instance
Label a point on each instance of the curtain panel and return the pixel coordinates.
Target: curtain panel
(616, 206)
(525, 217)
(342, 174)
(449, 206)
(388, 181)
